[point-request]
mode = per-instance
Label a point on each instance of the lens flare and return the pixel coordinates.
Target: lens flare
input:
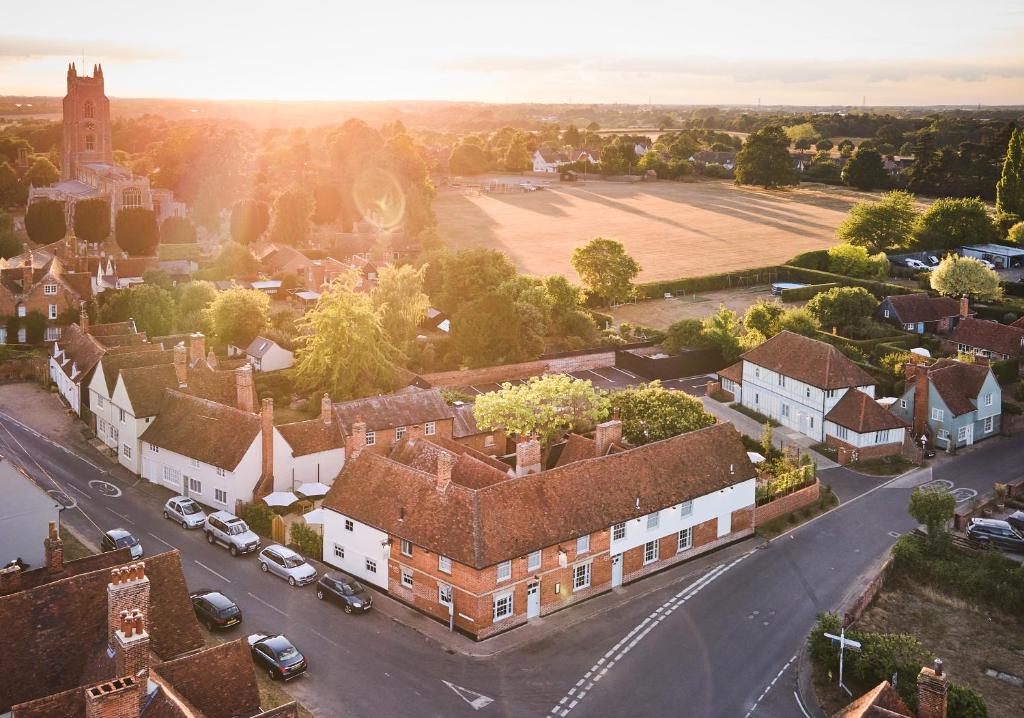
(379, 199)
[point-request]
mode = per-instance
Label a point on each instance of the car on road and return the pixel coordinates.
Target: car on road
(215, 610)
(282, 561)
(347, 593)
(231, 532)
(993, 532)
(115, 539)
(277, 656)
(918, 265)
(185, 511)
(1016, 519)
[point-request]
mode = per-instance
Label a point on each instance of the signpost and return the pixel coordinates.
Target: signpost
(843, 643)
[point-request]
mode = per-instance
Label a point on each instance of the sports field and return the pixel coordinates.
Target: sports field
(672, 229)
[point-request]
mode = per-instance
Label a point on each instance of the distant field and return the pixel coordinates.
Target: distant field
(672, 229)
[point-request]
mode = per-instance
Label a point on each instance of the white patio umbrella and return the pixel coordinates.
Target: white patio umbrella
(755, 458)
(280, 498)
(313, 490)
(316, 516)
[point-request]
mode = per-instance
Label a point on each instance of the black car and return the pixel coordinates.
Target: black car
(215, 610)
(277, 656)
(1016, 519)
(115, 539)
(350, 594)
(992, 532)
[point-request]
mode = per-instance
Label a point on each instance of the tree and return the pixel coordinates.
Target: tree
(842, 306)
(517, 156)
(44, 221)
(237, 316)
(42, 173)
(803, 133)
(564, 296)
(92, 220)
(846, 147)
(400, 301)
(193, 299)
(1010, 188)
(327, 203)
(10, 245)
(571, 136)
(958, 276)
(799, 321)
(150, 306)
(895, 363)
(454, 278)
(652, 413)
(950, 223)
(865, 170)
(249, 220)
(177, 230)
(965, 702)
(468, 159)
(544, 405)
(35, 326)
(1016, 234)
(853, 261)
(605, 269)
(723, 330)
(234, 260)
(136, 231)
(823, 169)
(158, 277)
(823, 145)
(344, 348)
(10, 190)
(763, 316)
(933, 508)
(685, 334)
(764, 159)
(880, 226)
(506, 324)
(291, 220)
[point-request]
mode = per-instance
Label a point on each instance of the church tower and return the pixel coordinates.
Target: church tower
(86, 122)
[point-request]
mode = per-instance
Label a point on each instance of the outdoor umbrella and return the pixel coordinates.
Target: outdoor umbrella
(280, 498)
(313, 490)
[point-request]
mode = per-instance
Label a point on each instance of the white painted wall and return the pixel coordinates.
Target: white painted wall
(863, 440)
(276, 358)
(323, 466)
(718, 505)
(362, 543)
(65, 386)
(238, 484)
(128, 431)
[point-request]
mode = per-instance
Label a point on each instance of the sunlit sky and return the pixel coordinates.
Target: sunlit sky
(896, 52)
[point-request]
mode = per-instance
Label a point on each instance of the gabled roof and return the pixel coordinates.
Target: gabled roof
(391, 410)
(472, 469)
(313, 436)
(145, 387)
(259, 347)
(958, 383)
(218, 682)
(517, 515)
(860, 413)
(993, 336)
(204, 430)
(465, 422)
(882, 701)
(81, 352)
(733, 372)
(148, 355)
(913, 308)
(808, 360)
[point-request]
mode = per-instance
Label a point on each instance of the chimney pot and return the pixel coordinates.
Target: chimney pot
(181, 364)
(938, 666)
(197, 347)
(358, 436)
(528, 455)
(325, 409)
(244, 388)
(607, 434)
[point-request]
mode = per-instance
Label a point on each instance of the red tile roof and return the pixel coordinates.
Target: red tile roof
(219, 682)
(472, 468)
(148, 355)
(958, 383)
(860, 413)
(213, 433)
(313, 436)
(923, 308)
(808, 360)
(391, 410)
(993, 336)
(882, 701)
(734, 372)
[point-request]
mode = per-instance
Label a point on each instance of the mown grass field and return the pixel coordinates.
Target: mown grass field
(672, 229)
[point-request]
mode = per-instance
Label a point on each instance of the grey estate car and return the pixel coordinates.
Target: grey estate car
(231, 532)
(287, 564)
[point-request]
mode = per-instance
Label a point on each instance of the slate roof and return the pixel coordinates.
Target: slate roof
(517, 515)
(860, 413)
(958, 383)
(465, 423)
(313, 436)
(993, 336)
(391, 410)
(808, 360)
(923, 308)
(205, 430)
(259, 347)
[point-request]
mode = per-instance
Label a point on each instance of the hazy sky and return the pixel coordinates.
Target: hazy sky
(894, 52)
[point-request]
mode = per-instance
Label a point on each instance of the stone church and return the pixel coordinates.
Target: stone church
(88, 169)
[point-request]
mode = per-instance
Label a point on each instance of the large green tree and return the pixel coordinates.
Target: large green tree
(685, 334)
(249, 220)
(92, 220)
(10, 244)
(293, 213)
(854, 261)
(455, 278)
(652, 413)
(136, 231)
(237, 315)
(192, 299)
(10, 188)
(763, 316)
(468, 159)
(958, 276)
(724, 330)
(546, 406)
(151, 307)
(764, 159)
(865, 170)
(950, 223)
(44, 221)
(1010, 188)
(842, 306)
(517, 156)
(401, 302)
(177, 230)
(934, 509)
(343, 347)
(42, 173)
(605, 269)
(234, 260)
(880, 226)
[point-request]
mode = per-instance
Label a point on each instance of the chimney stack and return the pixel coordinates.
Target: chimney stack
(527, 455)
(181, 364)
(415, 431)
(932, 688)
(358, 441)
(920, 399)
(10, 580)
(54, 550)
(965, 307)
(445, 464)
(244, 390)
(211, 359)
(128, 590)
(267, 428)
(197, 348)
(607, 434)
(26, 275)
(121, 697)
(83, 319)
(326, 409)
(132, 645)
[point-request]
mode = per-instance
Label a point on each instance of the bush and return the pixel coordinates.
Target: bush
(965, 702)
(800, 294)
(307, 541)
(818, 259)
(706, 283)
(1006, 371)
(812, 276)
(259, 517)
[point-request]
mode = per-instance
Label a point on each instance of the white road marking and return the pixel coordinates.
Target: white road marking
(118, 513)
(800, 705)
(218, 575)
(161, 540)
(268, 605)
(325, 638)
(82, 492)
(50, 441)
(769, 687)
(623, 371)
(476, 700)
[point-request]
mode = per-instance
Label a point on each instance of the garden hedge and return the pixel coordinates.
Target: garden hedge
(814, 276)
(802, 294)
(709, 282)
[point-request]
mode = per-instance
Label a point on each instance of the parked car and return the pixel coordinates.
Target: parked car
(120, 538)
(282, 561)
(348, 593)
(987, 263)
(215, 610)
(185, 511)
(231, 532)
(1016, 519)
(993, 532)
(918, 264)
(931, 260)
(277, 656)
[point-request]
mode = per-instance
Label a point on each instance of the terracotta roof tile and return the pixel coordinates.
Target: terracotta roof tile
(113, 363)
(984, 334)
(923, 308)
(576, 448)
(734, 372)
(213, 433)
(884, 697)
(808, 360)
(860, 413)
(390, 410)
(958, 383)
(217, 681)
(313, 436)
(472, 468)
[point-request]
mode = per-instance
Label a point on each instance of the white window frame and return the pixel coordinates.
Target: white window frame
(444, 564)
(52, 314)
(489, 440)
(619, 531)
(49, 289)
(399, 433)
(684, 540)
(785, 410)
(444, 594)
(651, 551)
(504, 605)
(581, 576)
(942, 434)
(503, 571)
(429, 428)
(21, 311)
(220, 496)
(583, 544)
(339, 551)
(686, 508)
(123, 415)
(405, 547)
(903, 403)
(221, 472)
(988, 399)
(371, 565)
(126, 451)
(961, 433)
(195, 486)
(882, 437)
(937, 414)
(193, 462)
(885, 313)
(349, 525)
(842, 432)
(534, 559)
(653, 520)
(406, 577)
(371, 438)
(989, 424)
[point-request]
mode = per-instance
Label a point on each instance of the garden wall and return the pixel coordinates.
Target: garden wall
(688, 363)
(788, 503)
(855, 605)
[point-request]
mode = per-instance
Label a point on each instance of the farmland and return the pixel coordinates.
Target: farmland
(673, 229)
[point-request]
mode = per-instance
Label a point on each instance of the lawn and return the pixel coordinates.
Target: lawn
(673, 229)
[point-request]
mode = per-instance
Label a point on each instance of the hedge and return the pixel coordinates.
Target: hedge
(603, 320)
(1006, 371)
(801, 294)
(708, 282)
(997, 312)
(814, 276)
(817, 259)
(1014, 289)
(865, 345)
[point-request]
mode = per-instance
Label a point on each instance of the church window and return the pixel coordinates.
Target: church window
(88, 110)
(90, 142)
(131, 197)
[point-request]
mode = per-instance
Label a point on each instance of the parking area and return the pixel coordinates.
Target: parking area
(608, 378)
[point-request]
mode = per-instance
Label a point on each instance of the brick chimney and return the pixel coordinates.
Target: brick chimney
(83, 319)
(267, 430)
(243, 388)
(181, 364)
(54, 546)
(10, 580)
(920, 399)
(211, 359)
(358, 436)
(608, 433)
(131, 649)
(196, 347)
(26, 275)
(128, 590)
(931, 692)
(965, 307)
(119, 698)
(527, 455)
(326, 409)
(445, 464)
(415, 431)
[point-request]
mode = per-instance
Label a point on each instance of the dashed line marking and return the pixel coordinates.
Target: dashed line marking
(161, 540)
(769, 687)
(218, 575)
(268, 605)
(118, 513)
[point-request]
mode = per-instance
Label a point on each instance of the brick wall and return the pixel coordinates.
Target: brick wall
(384, 439)
(789, 503)
(498, 447)
(856, 605)
(845, 453)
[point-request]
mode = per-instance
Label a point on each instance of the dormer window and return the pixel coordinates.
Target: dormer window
(49, 289)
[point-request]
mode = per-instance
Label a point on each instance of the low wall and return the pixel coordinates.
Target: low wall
(856, 604)
(688, 363)
(27, 369)
(788, 503)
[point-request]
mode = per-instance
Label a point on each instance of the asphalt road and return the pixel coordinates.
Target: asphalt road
(722, 641)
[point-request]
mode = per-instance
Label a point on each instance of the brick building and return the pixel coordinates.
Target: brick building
(920, 313)
(987, 339)
(883, 701)
(456, 533)
(37, 283)
(385, 420)
(465, 431)
(860, 428)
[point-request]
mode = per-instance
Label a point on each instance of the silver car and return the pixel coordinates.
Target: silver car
(185, 511)
(287, 564)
